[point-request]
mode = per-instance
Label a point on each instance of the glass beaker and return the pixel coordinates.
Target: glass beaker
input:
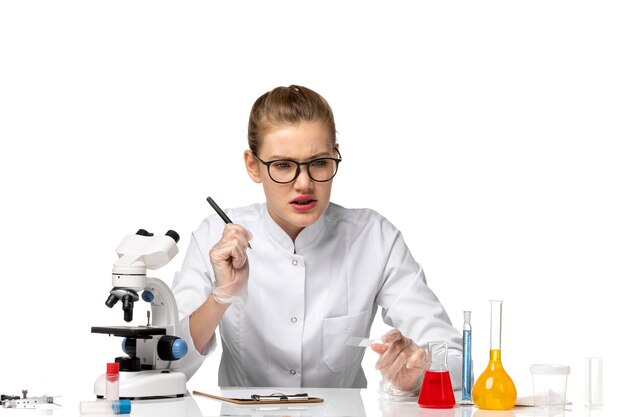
(494, 389)
(436, 389)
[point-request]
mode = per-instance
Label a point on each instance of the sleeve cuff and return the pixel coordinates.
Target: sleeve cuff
(193, 360)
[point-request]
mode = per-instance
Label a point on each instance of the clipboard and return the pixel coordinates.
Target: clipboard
(265, 399)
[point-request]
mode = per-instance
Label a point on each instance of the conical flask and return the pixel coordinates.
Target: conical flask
(436, 389)
(494, 389)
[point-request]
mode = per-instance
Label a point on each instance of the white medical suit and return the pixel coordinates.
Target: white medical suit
(305, 299)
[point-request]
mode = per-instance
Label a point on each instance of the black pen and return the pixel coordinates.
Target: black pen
(220, 213)
(281, 397)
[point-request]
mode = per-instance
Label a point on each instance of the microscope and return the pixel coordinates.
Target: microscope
(149, 370)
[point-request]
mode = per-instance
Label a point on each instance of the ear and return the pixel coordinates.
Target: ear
(252, 166)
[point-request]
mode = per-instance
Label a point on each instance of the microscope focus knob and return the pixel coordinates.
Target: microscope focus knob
(171, 348)
(147, 296)
(128, 364)
(129, 346)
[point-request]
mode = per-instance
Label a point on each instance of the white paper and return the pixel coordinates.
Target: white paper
(361, 341)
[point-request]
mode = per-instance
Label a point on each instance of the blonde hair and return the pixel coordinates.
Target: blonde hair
(288, 105)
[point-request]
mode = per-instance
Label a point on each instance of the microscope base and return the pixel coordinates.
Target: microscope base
(146, 384)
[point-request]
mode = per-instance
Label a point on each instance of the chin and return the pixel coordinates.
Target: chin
(300, 222)
(305, 219)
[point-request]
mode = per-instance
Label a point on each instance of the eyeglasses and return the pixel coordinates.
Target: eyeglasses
(284, 171)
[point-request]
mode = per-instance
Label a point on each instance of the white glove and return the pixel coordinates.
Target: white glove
(230, 265)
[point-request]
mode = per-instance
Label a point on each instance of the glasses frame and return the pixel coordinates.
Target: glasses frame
(298, 165)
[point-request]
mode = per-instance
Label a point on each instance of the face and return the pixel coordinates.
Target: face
(297, 204)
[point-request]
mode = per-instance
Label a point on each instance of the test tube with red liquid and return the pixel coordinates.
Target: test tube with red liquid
(113, 381)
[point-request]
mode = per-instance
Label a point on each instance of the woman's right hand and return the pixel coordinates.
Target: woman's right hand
(230, 264)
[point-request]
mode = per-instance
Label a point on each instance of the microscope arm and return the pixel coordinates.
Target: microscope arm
(164, 308)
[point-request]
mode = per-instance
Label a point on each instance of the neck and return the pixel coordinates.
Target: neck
(291, 230)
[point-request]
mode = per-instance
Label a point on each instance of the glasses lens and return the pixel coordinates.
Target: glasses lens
(322, 169)
(283, 171)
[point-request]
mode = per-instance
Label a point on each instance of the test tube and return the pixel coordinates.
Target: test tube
(466, 395)
(113, 381)
(104, 407)
(593, 381)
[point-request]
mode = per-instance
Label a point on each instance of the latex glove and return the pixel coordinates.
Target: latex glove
(401, 361)
(229, 260)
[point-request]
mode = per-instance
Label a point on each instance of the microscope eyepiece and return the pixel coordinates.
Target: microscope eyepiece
(173, 235)
(144, 232)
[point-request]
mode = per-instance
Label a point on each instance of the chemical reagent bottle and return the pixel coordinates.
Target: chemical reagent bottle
(494, 389)
(112, 392)
(105, 407)
(466, 395)
(436, 389)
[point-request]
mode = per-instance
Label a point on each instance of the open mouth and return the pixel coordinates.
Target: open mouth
(303, 202)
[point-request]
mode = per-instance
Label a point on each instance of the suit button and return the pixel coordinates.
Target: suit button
(294, 319)
(292, 371)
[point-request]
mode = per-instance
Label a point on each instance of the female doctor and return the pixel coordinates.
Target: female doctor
(316, 273)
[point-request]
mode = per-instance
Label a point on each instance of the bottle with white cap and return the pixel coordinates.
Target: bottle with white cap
(104, 407)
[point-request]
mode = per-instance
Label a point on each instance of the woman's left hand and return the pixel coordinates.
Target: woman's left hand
(401, 361)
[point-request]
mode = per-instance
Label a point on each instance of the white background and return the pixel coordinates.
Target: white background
(491, 133)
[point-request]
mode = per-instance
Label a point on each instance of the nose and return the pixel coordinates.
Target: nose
(303, 181)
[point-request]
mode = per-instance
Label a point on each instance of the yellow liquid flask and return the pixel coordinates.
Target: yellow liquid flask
(494, 389)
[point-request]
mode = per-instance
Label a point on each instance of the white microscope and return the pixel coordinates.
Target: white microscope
(149, 370)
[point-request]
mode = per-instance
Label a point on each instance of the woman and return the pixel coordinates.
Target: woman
(315, 275)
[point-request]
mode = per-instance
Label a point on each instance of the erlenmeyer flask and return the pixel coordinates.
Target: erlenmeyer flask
(494, 389)
(436, 389)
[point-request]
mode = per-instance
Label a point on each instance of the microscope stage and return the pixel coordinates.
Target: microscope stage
(141, 332)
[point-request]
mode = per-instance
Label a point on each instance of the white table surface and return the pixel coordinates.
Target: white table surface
(337, 403)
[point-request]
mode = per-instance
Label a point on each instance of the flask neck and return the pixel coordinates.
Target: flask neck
(495, 361)
(496, 324)
(495, 356)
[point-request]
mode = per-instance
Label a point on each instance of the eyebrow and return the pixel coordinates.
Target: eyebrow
(318, 155)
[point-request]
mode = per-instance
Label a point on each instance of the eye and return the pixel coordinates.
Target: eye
(283, 165)
(319, 163)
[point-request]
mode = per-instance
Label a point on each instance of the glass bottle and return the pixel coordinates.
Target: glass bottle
(105, 407)
(436, 389)
(466, 393)
(494, 389)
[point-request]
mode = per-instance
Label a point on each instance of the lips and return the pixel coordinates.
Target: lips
(305, 199)
(303, 202)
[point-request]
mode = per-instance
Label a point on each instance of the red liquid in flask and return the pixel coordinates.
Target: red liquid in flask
(436, 390)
